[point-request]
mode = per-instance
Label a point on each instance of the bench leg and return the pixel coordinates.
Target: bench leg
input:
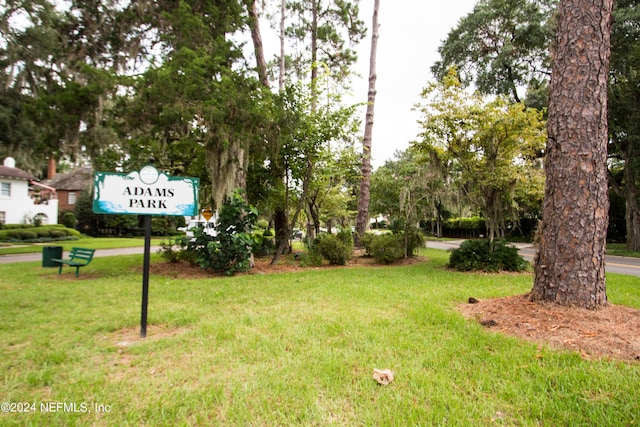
(77, 270)
(60, 268)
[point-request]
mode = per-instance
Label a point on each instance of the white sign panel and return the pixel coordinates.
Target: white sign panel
(147, 192)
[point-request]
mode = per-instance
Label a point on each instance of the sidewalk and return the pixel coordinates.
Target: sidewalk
(8, 259)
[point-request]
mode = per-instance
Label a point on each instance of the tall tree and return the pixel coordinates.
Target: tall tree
(491, 144)
(624, 112)
(362, 219)
(500, 45)
(570, 265)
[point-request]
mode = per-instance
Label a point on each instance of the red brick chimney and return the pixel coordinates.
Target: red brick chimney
(51, 170)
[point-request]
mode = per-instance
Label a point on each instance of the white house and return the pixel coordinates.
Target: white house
(22, 198)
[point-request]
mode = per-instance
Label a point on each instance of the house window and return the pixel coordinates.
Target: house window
(3, 218)
(5, 189)
(72, 198)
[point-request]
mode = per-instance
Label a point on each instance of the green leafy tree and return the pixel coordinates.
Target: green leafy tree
(500, 46)
(624, 113)
(489, 143)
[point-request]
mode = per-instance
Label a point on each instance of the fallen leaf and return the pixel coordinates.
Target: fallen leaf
(383, 377)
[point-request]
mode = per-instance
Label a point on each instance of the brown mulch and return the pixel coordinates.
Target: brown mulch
(611, 332)
(287, 264)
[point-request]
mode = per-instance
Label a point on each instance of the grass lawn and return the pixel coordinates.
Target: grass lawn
(290, 349)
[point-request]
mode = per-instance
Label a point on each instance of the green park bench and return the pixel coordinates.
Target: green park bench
(78, 257)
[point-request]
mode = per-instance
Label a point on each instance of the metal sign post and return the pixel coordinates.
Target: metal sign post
(145, 275)
(147, 192)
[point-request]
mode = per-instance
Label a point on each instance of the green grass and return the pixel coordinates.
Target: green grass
(620, 249)
(88, 242)
(292, 349)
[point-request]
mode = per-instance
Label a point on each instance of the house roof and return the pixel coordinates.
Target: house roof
(14, 173)
(78, 180)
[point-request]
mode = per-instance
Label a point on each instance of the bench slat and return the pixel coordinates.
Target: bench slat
(78, 257)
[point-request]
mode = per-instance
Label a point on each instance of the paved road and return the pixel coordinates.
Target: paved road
(615, 264)
(6, 259)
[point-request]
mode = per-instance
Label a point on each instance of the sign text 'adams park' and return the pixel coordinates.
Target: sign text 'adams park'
(147, 192)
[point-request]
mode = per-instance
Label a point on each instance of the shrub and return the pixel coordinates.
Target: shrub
(171, 250)
(68, 219)
(366, 240)
(14, 234)
(43, 233)
(262, 224)
(414, 240)
(263, 244)
(28, 235)
(337, 249)
(476, 255)
(310, 258)
(230, 250)
(387, 248)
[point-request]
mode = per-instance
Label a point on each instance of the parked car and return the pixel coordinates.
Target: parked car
(208, 226)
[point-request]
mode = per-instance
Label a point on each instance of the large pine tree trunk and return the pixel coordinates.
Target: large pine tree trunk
(256, 36)
(570, 266)
(362, 220)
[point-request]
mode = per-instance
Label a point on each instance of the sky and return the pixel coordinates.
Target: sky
(410, 33)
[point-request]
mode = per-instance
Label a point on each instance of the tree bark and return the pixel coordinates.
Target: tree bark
(282, 63)
(227, 164)
(256, 36)
(570, 264)
(362, 220)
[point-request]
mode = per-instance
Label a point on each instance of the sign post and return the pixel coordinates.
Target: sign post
(147, 193)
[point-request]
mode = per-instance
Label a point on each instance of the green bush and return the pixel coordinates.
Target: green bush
(68, 219)
(365, 241)
(262, 224)
(37, 234)
(28, 235)
(387, 248)
(43, 233)
(310, 258)
(171, 250)
(230, 250)
(335, 248)
(264, 244)
(476, 255)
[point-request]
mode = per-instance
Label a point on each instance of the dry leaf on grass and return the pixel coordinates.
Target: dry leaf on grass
(383, 377)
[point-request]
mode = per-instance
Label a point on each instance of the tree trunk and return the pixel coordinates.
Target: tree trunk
(570, 264)
(254, 25)
(362, 220)
(227, 166)
(282, 64)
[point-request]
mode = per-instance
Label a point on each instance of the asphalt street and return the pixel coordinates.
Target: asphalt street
(7, 259)
(615, 264)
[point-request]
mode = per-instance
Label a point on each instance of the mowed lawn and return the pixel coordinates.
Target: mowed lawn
(289, 349)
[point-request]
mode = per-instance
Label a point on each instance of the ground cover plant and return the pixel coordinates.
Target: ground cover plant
(291, 349)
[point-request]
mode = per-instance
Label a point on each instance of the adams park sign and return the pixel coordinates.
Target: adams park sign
(147, 192)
